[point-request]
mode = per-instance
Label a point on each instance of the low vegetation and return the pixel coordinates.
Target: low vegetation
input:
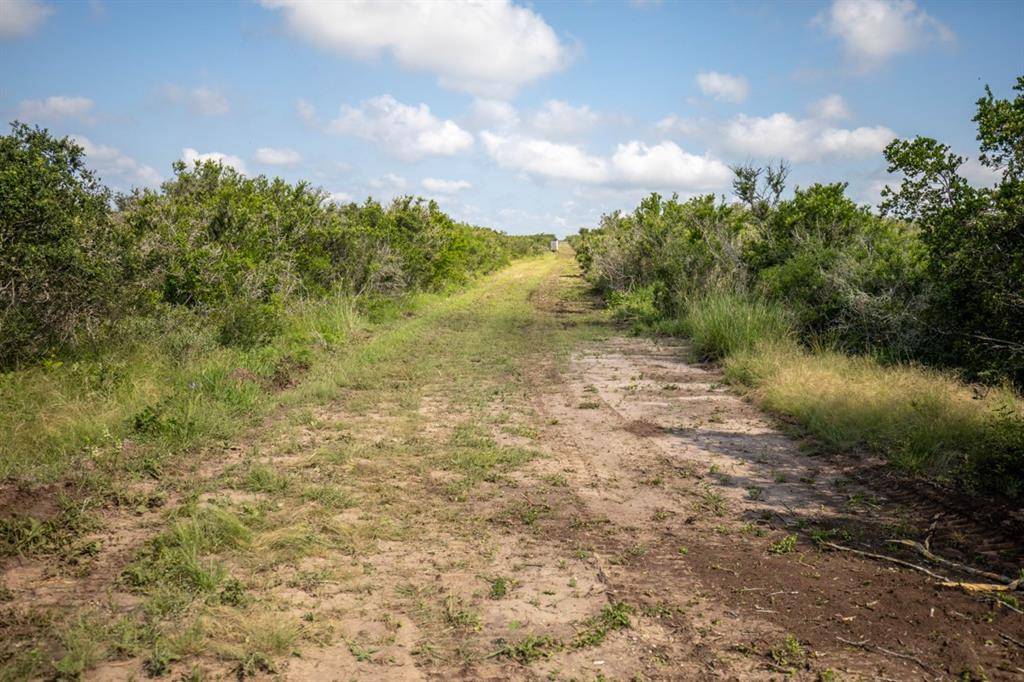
(135, 325)
(864, 326)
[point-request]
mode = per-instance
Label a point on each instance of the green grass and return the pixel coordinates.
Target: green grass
(924, 421)
(720, 324)
(167, 388)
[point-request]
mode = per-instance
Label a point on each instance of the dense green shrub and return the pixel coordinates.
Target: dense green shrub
(230, 249)
(851, 278)
(937, 277)
(974, 239)
(247, 324)
(62, 258)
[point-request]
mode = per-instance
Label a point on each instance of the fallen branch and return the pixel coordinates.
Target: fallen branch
(943, 580)
(1011, 639)
(931, 556)
(868, 646)
(882, 557)
(978, 587)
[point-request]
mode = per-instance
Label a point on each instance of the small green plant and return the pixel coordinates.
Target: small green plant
(788, 652)
(614, 616)
(458, 616)
(500, 587)
(529, 648)
(784, 546)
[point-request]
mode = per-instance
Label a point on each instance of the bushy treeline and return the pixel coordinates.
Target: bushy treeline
(75, 258)
(817, 304)
(937, 276)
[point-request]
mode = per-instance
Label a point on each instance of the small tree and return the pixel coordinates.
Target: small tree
(974, 237)
(60, 254)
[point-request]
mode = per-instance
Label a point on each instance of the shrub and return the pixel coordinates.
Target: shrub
(229, 248)
(974, 239)
(62, 261)
(247, 324)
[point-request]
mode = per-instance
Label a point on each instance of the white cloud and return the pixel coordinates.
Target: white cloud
(560, 119)
(208, 102)
(340, 197)
(191, 156)
(722, 86)
(781, 135)
(306, 112)
(445, 186)
(494, 114)
(830, 107)
(202, 100)
(667, 165)
(858, 142)
(277, 157)
(872, 31)
(633, 163)
(406, 132)
(54, 108)
(978, 174)
(390, 181)
(111, 161)
(21, 17)
(486, 48)
(678, 125)
(541, 157)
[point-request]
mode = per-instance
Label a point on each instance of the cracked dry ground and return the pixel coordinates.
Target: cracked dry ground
(510, 488)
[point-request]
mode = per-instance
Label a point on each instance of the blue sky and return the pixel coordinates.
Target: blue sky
(526, 117)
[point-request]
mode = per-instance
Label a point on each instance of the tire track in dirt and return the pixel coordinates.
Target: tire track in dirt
(673, 462)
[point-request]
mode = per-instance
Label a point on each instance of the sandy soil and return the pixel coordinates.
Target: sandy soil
(656, 487)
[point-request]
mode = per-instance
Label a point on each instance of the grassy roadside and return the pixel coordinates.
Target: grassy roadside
(924, 421)
(379, 442)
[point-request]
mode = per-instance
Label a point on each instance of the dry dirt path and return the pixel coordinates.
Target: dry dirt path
(507, 487)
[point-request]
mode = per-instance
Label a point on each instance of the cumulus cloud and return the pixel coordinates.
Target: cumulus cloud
(667, 165)
(191, 156)
(340, 198)
(782, 135)
(54, 108)
(872, 31)
(277, 157)
(678, 125)
(494, 114)
(202, 100)
(722, 86)
(489, 49)
(111, 161)
(545, 158)
(208, 102)
(980, 175)
(830, 107)
(444, 186)
(561, 119)
(632, 164)
(406, 132)
(306, 112)
(389, 181)
(21, 17)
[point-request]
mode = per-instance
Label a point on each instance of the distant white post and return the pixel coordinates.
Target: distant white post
(554, 245)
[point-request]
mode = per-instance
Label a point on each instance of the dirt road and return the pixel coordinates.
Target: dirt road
(508, 487)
